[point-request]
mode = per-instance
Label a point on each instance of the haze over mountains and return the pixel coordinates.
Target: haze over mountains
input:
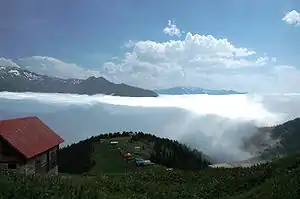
(195, 90)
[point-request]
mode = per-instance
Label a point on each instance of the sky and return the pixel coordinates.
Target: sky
(235, 44)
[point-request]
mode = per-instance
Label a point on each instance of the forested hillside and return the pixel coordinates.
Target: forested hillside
(83, 157)
(288, 136)
(173, 154)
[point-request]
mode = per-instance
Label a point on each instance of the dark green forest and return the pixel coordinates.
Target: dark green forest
(173, 154)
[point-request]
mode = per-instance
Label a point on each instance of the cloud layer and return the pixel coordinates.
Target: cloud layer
(214, 124)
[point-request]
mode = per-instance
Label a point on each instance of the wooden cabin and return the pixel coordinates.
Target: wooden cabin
(28, 146)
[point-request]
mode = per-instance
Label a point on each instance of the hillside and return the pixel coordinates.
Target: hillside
(14, 79)
(277, 180)
(276, 141)
(194, 90)
(287, 137)
(97, 155)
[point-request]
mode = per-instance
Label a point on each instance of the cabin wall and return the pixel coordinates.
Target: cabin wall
(9, 157)
(2, 165)
(41, 164)
(0, 147)
(36, 165)
(44, 163)
(28, 168)
(1, 157)
(8, 153)
(53, 166)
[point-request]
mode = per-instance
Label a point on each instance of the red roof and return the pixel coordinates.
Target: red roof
(29, 135)
(127, 155)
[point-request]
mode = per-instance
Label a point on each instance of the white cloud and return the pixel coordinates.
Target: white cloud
(203, 61)
(7, 62)
(55, 68)
(172, 30)
(292, 18)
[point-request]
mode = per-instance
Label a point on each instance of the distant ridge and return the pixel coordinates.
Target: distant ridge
(195, 90)
(14, 79)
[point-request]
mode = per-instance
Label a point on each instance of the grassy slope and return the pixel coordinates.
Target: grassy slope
(280, 179)
(109, 159)
(96, 155)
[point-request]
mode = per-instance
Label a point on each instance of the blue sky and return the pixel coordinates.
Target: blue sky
(89, 33)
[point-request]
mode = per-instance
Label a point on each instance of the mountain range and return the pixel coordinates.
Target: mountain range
(14, 79)
(194, 90)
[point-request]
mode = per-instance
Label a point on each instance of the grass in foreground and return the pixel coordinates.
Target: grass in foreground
(280, 179)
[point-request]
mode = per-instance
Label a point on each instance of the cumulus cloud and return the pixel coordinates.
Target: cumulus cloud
(203, 61)
(292, 18)
(172, 30)
(55, 68)
(216, 125)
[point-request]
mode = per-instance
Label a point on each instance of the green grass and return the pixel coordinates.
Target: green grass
(109, 159)
(96, 155)
(280, 179)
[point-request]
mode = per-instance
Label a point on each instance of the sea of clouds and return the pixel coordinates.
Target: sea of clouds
(214, 124)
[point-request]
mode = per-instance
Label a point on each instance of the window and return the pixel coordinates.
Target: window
(12, 166)
(53, 159)
(38, 163)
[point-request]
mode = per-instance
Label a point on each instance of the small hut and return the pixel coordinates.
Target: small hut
(137, 148)
(29, 146)
(114, 142)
